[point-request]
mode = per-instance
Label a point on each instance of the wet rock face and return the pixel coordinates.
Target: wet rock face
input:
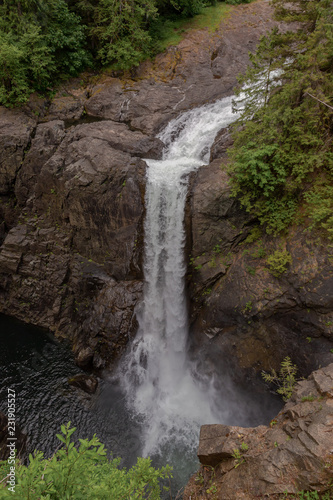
(294, 453)
(239, 306)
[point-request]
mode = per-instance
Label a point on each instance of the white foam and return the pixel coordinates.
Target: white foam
(161, 384)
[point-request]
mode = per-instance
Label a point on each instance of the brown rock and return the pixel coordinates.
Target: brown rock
(88, 383)
(295, 453)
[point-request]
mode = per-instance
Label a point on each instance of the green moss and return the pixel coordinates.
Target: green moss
(174, 30)
(278, 262)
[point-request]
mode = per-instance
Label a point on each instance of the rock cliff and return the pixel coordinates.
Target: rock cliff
(72, 185)
(244, 310)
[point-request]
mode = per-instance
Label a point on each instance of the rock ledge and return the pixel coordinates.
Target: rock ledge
(294, 453)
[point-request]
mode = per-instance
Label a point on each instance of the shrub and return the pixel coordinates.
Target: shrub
(278, 262)
(285, 380)
(83, 472)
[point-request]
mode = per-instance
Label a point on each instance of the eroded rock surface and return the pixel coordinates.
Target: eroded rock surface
(72, 185)
(294, 453)
(240, 308)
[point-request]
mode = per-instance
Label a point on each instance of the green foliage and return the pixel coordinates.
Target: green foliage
(248, 306)
(320, 207)
(285, 379)
(239, 460)
(314, 495)
(244, 446)
(237, 2)
(282, 155)
(308, 398)
(38, 42)
(254, 235)
(188, 7)
(259, 253)
(120, 31)
(83, 472)
(278, 262)
(250, 270)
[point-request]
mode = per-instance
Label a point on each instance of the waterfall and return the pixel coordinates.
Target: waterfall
(162, 385)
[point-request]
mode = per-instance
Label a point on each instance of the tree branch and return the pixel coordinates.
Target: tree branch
(307, 93)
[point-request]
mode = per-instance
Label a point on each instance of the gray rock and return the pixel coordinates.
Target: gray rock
(294, 453)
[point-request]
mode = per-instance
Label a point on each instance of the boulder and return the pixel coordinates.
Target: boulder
(88, 383)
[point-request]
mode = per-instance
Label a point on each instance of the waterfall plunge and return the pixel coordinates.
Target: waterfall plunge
(162, 386)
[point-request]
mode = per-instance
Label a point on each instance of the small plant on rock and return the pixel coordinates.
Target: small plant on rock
(278, 262)
(244, 446)
(285, 380)
(239, 459)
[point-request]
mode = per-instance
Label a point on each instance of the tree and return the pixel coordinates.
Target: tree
(120, 30)
(283, 139)
(39, 40)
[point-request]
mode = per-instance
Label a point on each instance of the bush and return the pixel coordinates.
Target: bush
(83, 473)
(278, 262)
(285, 380)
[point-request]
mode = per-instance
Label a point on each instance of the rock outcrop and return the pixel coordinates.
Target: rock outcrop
(294, 453)
(241, 307)
(87, 383)
(71, 261)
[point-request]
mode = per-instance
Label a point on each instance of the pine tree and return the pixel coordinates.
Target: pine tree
(120, 29)
(283, 152)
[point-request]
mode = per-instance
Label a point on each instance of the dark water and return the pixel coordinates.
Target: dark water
(37, 367)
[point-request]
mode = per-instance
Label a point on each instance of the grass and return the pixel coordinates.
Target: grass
(167, 32)
(176, 29)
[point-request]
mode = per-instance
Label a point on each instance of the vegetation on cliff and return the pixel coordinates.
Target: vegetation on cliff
(282, 159)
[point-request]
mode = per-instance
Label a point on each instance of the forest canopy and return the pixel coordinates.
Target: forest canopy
(43, 41)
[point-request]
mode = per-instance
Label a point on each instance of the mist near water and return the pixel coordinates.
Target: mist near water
(171, 394)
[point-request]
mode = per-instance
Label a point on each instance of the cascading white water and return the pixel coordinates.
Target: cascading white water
(161, 384)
